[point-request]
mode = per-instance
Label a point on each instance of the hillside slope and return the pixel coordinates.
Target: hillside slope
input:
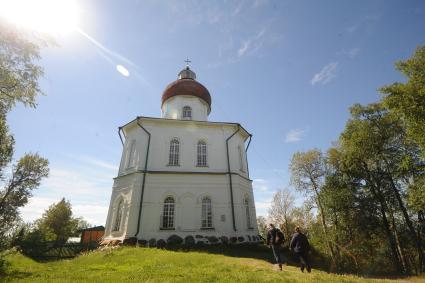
(153, 265)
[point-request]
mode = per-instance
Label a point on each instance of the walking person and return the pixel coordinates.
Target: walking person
(300, 245)
(275, 239)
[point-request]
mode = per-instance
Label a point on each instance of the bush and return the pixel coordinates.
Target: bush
(174, 240)
(212, 239)
(3, 265)
(152, 242)
(142, 243)
(161, 244)
(189, 241)
(233, 240)
(241, 239)
(224, 240)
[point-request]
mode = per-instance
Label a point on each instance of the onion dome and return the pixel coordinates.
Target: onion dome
(187, 85)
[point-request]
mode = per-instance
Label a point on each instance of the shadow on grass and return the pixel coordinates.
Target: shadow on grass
(260, 252)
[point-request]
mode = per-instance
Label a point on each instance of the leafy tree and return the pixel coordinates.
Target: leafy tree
(281, 209)
(19, 73)
(19, 76)
(58, 223)
(308, 170)
(408, 99)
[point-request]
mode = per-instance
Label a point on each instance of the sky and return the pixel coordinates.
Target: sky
(288, 71)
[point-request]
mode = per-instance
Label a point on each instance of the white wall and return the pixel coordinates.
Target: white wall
(187, 189)
(173, 107)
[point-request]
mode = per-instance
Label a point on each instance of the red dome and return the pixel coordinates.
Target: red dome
(186, 86)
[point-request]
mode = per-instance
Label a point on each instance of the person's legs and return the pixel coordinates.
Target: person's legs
(277, 255)
(307, 261)
(302, 262)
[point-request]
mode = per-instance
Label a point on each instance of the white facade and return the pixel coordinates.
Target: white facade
(185, 187)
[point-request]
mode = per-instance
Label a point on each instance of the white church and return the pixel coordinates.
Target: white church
(183, 175)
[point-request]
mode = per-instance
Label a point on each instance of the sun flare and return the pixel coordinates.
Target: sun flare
(49, 16)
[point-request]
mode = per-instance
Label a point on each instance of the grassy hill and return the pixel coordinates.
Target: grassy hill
(154, 265)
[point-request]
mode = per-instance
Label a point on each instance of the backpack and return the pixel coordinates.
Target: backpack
(279, 238)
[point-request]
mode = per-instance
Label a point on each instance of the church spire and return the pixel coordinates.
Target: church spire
(187, 73)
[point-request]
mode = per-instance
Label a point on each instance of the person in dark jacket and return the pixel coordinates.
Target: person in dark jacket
(275, 239)
(300, 245)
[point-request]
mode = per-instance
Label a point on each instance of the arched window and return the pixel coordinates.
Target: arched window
(248, 214)
(118, 215)
(173, 158)
(187, 113)
(206, 213)
(168, 213)
(202, 154)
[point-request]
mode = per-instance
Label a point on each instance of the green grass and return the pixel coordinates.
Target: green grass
(153, 265)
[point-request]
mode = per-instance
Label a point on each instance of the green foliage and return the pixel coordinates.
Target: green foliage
(416, 194)
(57, 223)
(408, 99)
(19, 73)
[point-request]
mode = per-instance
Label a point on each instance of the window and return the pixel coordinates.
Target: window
(241, 163)
(187, 113)
(130, 156)
(206, 213)
(168, 213)
(118, 215)
(173, 158)
(248, 215)
(202, 154)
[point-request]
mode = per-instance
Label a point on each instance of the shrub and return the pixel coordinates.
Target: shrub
(174, 240)
(241, 239)
(161, 244)
(189, 241)
(152, 242)
(233, 240)
(142, 243)
(224, 240)
(212, 239)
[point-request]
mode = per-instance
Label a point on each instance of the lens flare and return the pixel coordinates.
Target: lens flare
(47, 16)
(123, 71)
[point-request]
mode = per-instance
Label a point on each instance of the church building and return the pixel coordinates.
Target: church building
(182, 175)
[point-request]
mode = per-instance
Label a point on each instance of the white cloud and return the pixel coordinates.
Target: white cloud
(294, 135)
(260, 185)
(252, 44)
(325, 75)
(100, 163)
(95, 214)
(87, 185)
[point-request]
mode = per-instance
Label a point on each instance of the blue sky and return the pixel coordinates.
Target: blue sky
(286, 70)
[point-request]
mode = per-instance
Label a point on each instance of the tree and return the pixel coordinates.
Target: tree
(19, 72)
(19, 76)
(308, 171)
(58, 223)
(281, 209)
(408, 99)
(378, 154)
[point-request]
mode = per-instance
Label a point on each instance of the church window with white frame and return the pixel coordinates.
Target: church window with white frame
(173, 157)
(206, 213)
(168, 213)
(248, 213)
(118, 215)
(201, 154)
(187, 113)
